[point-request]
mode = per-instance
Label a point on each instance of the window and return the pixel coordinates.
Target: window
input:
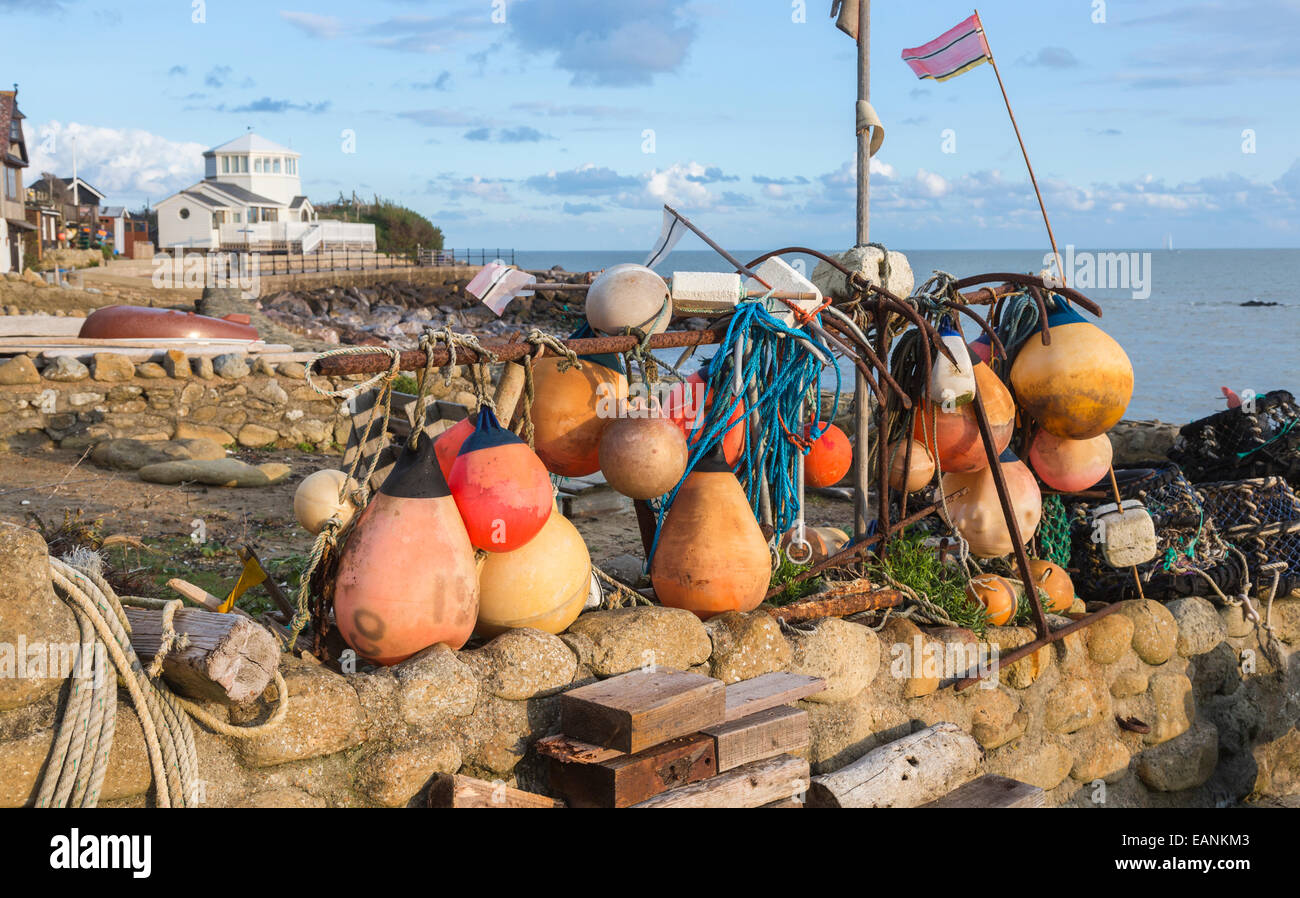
(11, 183)
(225, 165)
(184, 213)
(239, 218)
(257, 164)
(275, 165)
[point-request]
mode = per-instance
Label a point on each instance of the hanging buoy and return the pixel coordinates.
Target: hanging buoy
(317, 500)
(711, 555)
(918, 475)
(643, 457)
(446, 445)
(406, 577)
(1078, 386)
(823, 542)
(628, 296)
(1070, 465)
(690, 401)
(952, 383)
(977, 515)
(567, 424)
(981, 348)
(953, 434)
(500, 486)
(543, 585)
(1055, 581)
(996, 595)
(829, 458)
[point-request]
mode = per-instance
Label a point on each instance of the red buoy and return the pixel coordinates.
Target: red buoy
(500, 486)
(447, 444)
(688, 404)
(829, 458)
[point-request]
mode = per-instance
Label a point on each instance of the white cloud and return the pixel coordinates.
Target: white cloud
(127, 164)
(326, 27)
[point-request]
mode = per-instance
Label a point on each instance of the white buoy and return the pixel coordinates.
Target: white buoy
(952, 385)
(783, 277)
(628, 295)
(317, 500)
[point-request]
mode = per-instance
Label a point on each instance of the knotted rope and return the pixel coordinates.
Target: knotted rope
(541, 341)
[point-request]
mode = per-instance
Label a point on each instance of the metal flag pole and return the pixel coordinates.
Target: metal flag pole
(1060, 268)
(861, 396)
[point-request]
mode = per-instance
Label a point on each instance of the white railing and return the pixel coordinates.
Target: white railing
(304, 235)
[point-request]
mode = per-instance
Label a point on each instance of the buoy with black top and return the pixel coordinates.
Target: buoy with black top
(977, 514)
(628, 296)
(1070, 465)
(500, 486)
(1078, 386)
(711, 556)
(828, 459)
(406, 578)
(567, 424)
(543, 585)
(317, 500)
(952, 434)
(643, 455)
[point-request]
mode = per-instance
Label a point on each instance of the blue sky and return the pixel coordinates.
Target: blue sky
(531, 132)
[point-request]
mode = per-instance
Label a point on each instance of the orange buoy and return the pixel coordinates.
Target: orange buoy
(977, 514)
(829, 459)
(1055, 581)
(996, 595)
(953, 436)
(446, 445)
(918, 476)
(1070, 465)
(711, 556)
(543, 585)
(406, 577)
(567, 423)
(643, 457)
(500, 486)
(1078, 386)
(688, 403)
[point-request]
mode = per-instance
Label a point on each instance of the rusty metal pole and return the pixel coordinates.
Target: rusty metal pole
(861, 394)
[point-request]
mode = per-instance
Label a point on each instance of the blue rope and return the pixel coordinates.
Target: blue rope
(779, 361)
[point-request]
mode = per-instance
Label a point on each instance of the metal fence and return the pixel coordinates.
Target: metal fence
(270, 264)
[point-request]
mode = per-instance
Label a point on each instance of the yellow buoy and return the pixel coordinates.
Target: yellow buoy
(569, 413)
(317, 500)
(543, 585)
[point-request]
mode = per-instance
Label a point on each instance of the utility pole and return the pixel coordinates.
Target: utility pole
(861, 395)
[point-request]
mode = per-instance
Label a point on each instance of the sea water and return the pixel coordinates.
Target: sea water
(1183, 325)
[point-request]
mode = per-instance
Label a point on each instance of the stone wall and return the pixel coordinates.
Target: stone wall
(1221, 715)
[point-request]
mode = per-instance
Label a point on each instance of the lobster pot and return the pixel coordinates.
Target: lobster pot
(1236, 445)
(711, 556)
(1261, 517)
(953, 435)
(406, 577)
(500, 486)
(543, 585)
(1078, 386)
(569, 413)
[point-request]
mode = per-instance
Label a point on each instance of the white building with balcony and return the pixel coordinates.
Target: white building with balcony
(250, 199)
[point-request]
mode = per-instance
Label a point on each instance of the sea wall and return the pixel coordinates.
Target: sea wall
(1220, 713)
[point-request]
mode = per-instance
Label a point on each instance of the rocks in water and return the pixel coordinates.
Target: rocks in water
(131, 455)
(111, 366)
(230, 365)
(65, 369)
(18, 370)
(216, 472)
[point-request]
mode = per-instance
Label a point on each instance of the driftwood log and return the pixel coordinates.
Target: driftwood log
(226, 658)
(905, 773)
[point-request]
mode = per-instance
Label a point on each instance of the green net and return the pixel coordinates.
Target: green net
(1054, 531)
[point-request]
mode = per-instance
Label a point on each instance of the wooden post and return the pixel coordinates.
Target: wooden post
(906, 773)
(861, 392)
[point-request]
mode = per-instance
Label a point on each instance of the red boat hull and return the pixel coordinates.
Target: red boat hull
(142, 322)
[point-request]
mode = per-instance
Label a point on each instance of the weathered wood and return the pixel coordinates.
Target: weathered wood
(199, 596)
(628, 779)
(837, 605)
(40, 326)
(991, 791)
(454, 791)
(784, 803)
(771, 690)
(775, 731)
(566, 748)
(636, 710)
(510, 386)
(227, 658)
(750, 786)
(903, 774)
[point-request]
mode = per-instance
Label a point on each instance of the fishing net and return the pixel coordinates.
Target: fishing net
(1258, 439)
(1261, 517)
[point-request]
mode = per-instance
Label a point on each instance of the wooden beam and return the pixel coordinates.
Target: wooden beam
(636, 710)
(750, 786)
(566, 748)
(771, 690)
(903, 774)
(991, 791)
(625, 780)
(776, 731)
(455, 791)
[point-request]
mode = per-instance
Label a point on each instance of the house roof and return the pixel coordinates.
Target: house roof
(66, 183)
(201, 199)
(235, 192)
(297, 202)
(251, 143)
(112, 211)
(9, 113)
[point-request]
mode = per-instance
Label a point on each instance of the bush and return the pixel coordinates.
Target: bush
(397, 228)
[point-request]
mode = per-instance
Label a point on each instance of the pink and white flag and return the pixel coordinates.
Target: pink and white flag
(957, 50)
(496, 284)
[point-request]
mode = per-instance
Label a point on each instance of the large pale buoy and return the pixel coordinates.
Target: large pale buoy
(977, 515)
(317, 500)
(711, 555)
(643, 457)
(953, 435)
(446, 445)
(823, 542)
(829, 459)
(628, 295)
(543, 585)
(1055, 581)
(406, 578)
(567, 423)
(996, 594)
(688, 403)
(1070, 465)
(1078, 386)
(500, 486)
(918, 475)
(952, 383)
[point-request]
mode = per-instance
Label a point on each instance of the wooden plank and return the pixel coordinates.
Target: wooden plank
(750, 786)
(776, 731)
(770, 690)
(40, 326)
(138, 342)
(636, 710)
(625, 780)
(593, 502)
(991, 791)
(566, 748)
(455, 791)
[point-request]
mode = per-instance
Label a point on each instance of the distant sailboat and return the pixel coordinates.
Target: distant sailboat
(1169, 242)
